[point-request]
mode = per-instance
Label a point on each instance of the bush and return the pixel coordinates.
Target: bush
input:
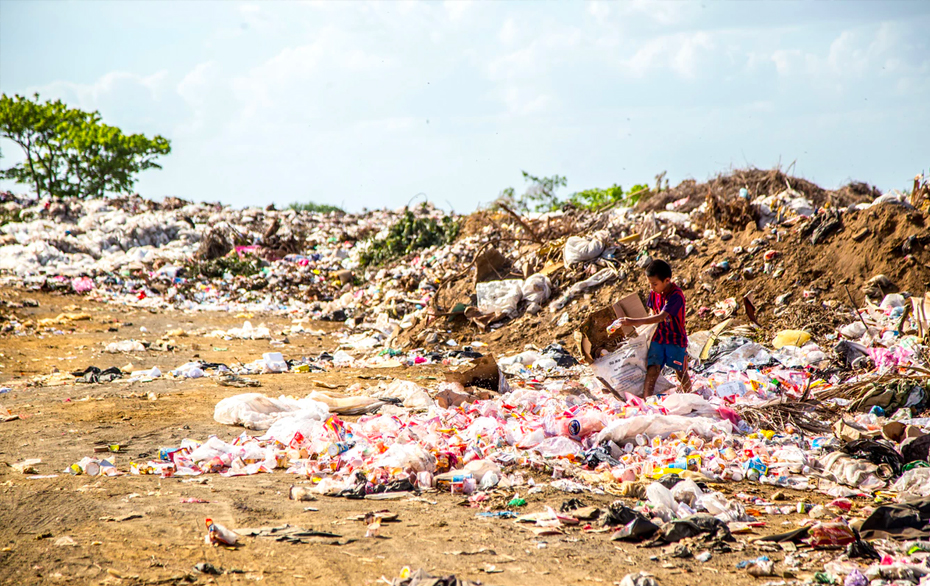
(313, 207)
(245, 266)
(408, 234)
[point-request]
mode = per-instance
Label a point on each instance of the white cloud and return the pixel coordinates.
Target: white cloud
(508, 32)
(786, 60)
(682, 53)
(599, 10)
(456, 9)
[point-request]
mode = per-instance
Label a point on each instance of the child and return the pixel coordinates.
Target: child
(670, 341)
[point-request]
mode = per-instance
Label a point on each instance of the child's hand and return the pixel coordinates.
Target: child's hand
(624, 322)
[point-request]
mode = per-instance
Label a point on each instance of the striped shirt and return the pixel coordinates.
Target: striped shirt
(672, 329)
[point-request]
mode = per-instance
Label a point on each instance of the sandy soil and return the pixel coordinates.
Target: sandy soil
(134, 529)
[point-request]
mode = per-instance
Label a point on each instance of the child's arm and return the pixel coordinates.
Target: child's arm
(642, 321)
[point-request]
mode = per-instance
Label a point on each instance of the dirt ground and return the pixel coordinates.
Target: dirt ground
(135, 530)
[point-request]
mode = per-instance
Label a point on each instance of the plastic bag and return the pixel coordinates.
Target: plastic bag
(914, 482)
(555, 447)
(482, 468)
(578, 249)
(626, 430)
(412, 395)
(536, 288)
(256, 411)
(125, 346)
(687, 403)
(407, 456)
(660, 496)
(687, 491)
(500, 296)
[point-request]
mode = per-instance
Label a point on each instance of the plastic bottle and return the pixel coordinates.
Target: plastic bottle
(219, 535)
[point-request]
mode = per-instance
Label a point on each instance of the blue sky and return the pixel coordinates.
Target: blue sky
(367, 104)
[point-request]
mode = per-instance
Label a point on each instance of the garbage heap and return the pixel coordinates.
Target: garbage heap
(809, 328)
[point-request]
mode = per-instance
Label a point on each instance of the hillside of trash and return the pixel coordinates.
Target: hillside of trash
(472, 362)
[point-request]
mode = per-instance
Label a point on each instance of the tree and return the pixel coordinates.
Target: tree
(70, 152)
(540, 195)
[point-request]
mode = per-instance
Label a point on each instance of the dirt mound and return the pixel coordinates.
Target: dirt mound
(758, 182)
(887, 239)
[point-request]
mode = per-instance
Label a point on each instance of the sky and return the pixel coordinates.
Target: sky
(369, 104)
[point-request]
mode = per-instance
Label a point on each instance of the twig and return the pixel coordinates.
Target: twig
(856, 309)
(520, 221)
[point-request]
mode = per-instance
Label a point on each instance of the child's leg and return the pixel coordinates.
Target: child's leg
(649, 386)
(683, 377)
(655, 358)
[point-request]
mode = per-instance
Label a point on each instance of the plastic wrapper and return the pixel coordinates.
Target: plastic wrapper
(831, 534)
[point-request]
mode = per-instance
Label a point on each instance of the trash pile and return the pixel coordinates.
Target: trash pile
(795, 384)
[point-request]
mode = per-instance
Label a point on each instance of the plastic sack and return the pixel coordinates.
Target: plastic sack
(578, 249)
(536, 288)
(914, 482)
(500, 296)
(306, 422)
(625, 368)
(626, 430)
(188, 370)
(256, 411)
(844, 469)
(660, 496)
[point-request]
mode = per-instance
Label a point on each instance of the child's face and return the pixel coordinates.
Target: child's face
(658, 285)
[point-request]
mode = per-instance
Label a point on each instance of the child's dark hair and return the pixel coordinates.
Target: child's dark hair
(660, 269)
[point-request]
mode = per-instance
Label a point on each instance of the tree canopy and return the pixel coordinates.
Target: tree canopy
(70, 152)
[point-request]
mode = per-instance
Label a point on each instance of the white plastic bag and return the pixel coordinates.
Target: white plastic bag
(914, 482)
(558, 446)
(626, 430)
(407, 456)
(537, 288)
(578, 249)
(256, 411)
(500, 296)
(687, 403)
(412, 395)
